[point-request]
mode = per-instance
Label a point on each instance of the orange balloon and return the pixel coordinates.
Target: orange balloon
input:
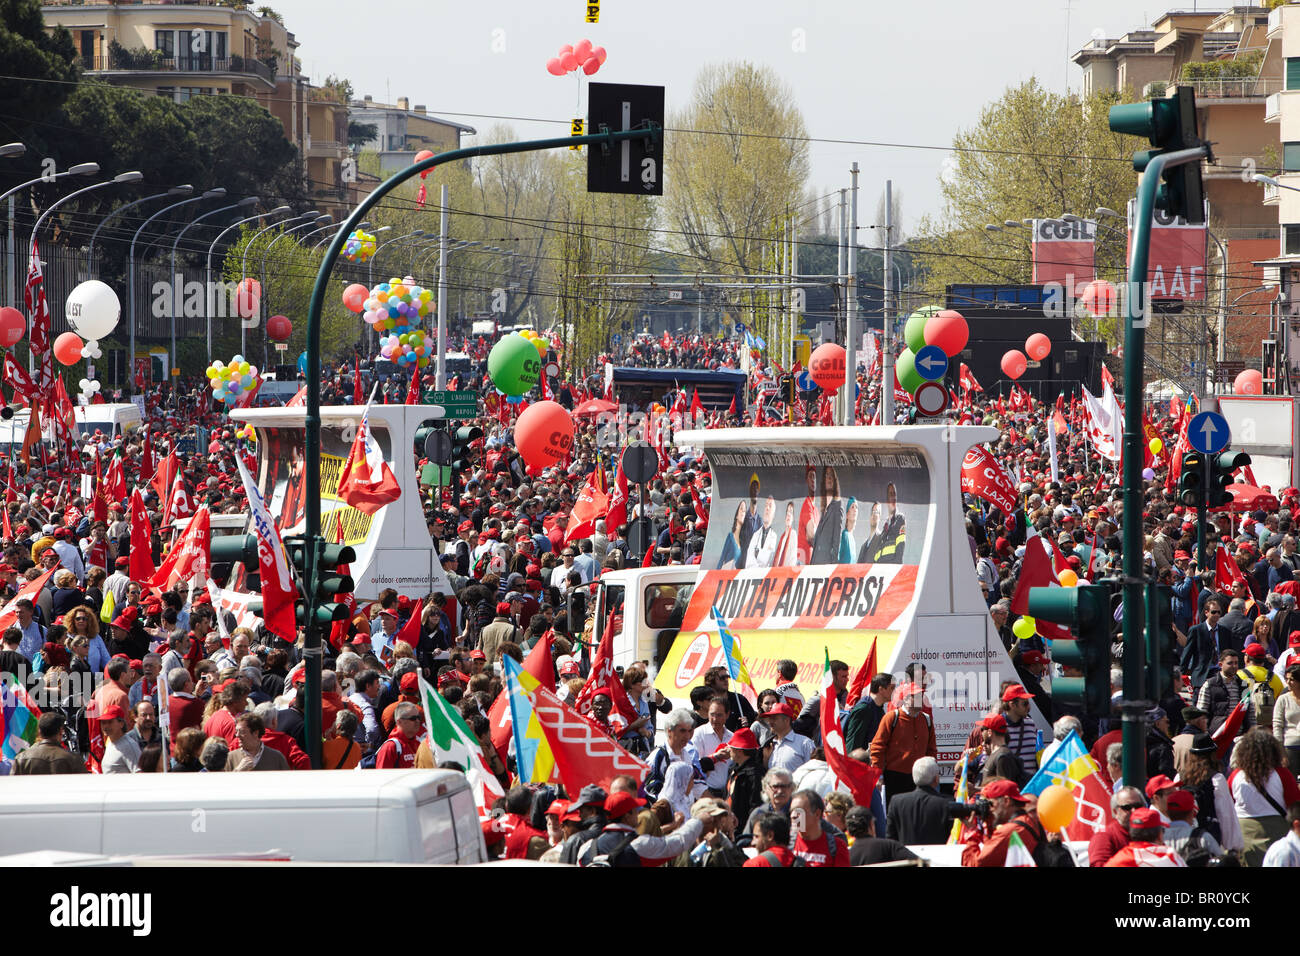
(1056, 808)
(1068, 578)
(544, 434)
(67, 348)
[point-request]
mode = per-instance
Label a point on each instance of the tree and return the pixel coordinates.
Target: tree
(40, 67)
(361, 133)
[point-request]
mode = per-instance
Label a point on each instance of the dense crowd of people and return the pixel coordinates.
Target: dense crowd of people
(727, 783)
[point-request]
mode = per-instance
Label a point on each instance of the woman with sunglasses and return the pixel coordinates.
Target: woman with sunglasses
(81, 622)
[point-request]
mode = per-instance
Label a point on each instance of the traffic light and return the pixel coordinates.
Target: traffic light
(1162, 645)
(1085, 608)
(1221, 469)
(460, 450)
(1169, 124)
(1191, 480)
(226, 551)
(329, 583)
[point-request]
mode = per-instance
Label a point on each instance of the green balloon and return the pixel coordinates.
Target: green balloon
(914, 330)
(513, 365)
(908, 376)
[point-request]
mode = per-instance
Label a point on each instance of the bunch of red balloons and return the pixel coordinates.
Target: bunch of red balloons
(578, 56)
(1038, 346)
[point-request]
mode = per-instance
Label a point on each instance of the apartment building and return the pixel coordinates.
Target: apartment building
(402, 130)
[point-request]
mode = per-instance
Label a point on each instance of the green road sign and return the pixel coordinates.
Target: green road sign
(457, 405)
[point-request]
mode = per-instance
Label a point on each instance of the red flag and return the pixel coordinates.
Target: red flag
(141, 567)
(9, 613)
(421, 195)
(179, 503)
(413, 393)
(1036, 572)
(32, 439)
(1227, 573)
(366, 482)
(1227, 732)
(147, 463)
(966, 379)
(860, 777)
(38, 335)
(583, 753)
(731, 410)
(358, 396)
(697, 408)
(165, 477)
(616, 515)
(539, 664)
(8, 530)
(299, 399)
(191, 554)
(983, 476)
(591, 504)
(410, 631)
(603, 677)
(649, 560)
(1106, 377)
(115, 481)
(279, 591)
(862, 679)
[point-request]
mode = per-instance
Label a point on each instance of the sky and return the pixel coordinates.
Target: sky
(910, 74)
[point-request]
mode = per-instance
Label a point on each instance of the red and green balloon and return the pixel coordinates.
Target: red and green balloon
(946, 329)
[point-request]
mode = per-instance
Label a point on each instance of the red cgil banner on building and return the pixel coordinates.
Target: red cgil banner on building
(1064, 253)
(1176, 264)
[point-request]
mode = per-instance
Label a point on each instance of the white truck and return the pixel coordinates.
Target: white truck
(327, 816)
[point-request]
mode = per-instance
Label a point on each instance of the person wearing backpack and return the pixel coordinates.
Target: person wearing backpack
(1265, 686)
(772, 841)
(619, 843)
(1196, 845)
(1010, 816)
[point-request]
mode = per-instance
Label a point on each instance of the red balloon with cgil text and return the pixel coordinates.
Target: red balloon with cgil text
(544, 434)
(12, 326)
(279, 328)
(1039, 346)
(1249, 382)
(826, 366)
(1014, 364)
(947, 330)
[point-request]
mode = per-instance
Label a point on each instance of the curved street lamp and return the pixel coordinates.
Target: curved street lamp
(81, 169)
(174, 191)
(216, 193)
(207, 277)
(243, 273)
(176, 292)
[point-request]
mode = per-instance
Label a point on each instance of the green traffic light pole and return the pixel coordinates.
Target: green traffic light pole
(1134, 579)
(315, 544)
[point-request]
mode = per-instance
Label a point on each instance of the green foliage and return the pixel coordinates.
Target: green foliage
(242, 147)
(1245, 66)
(136, 58)
(361, 133)
(39, 67)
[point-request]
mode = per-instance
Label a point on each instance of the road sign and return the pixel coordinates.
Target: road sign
(456, 405)
(931, 363)
(437, 448)
(633, 166)
(616, 338)
(806, 384)
(552, 369)
(931, 399)
(640, 462)
(1208, 433)
(740, 328)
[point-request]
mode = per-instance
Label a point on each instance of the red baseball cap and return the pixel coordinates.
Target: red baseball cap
(1256, 650)
(477, 655)
(1033, 657)
(996, 723)
(1016, 692)
(410, 681)
(743, 739)
(782, 710)
(1145, 819)
(1004, 788)
(1182, 801)
(570, 669)
(1157, 783)
(112, 712)
(618, 804)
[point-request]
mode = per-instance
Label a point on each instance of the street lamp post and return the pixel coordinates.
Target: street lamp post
(216, 193)
(174, 191)
(277, 211)
(323, 222)
(179, 286)
(243, 273)
(81, 169)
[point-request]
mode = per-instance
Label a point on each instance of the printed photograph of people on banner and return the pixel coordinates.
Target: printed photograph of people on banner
(777, 508)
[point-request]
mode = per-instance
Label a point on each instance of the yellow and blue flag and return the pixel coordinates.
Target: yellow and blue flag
(1072, 767)
(534, 762)
(735, 662)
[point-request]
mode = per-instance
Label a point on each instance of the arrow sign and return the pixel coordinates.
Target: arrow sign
(931, 363)
(806, 384)
(1208, 433)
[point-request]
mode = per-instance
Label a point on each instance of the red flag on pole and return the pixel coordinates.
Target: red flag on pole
(603, 677)
(859, 777)
(140, 567)
(413, 393)
(862, 679)
(366, 482)
(583, 753)
(358, 396)
(1037, 571)
(539, 664)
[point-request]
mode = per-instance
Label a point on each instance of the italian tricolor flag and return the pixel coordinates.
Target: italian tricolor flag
(1017, 855)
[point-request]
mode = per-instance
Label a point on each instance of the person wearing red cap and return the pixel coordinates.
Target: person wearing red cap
(398, 751)
(1022, 732)
(1010, 814)
(1196, 845)
(501, 629)
(114, 691)
(1146, 843)
(408, 691)
(121, 753)
(619, 844)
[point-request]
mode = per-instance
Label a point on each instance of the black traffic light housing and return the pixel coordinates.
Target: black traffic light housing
(328, 584)
(1191, 480)
(1085, 608)
(1169, 124)
(460, 450)
(1162, 644)
(1222, 467)
(226, 551)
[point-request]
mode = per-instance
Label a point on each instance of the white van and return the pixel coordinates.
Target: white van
(112, 419)
(352, 816)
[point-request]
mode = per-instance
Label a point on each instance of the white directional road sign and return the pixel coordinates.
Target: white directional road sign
(931, 363)
(1208, 433)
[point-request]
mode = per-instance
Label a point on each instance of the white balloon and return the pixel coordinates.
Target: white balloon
(84, 384)
(93, 310)
(94, 386)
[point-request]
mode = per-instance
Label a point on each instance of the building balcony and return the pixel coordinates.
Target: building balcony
(1231, 88)
(325, 149)
(1274, 22)
(153, 62)
(1270, 194)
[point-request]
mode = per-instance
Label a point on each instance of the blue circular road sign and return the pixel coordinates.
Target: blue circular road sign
(931, 363)
(1208, 433)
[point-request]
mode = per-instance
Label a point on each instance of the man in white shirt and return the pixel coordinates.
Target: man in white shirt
(790, 751)
(762, 545)
(1286, 851)
(708, 738)
(69, 554)
(121, 753)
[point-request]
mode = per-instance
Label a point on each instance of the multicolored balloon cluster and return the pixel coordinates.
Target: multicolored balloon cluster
(397, 305)
(413, 346)
(359, 247)
(232, 382)
(247, 433)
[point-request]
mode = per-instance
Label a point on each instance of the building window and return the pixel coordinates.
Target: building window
(165, 40)
(1291, 240)
(1291, 157)
(1293, 73)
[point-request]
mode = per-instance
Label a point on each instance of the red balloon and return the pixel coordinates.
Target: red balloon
(1014, 364)
(948, 330)
(1249, 382)
(826, 366)
(12, 326)
(67, 348)
(1099, 298)
(1038, 346)
(582, 49)
(544, 434)
(248, 296)
(569, 62)
(354, 297)
(553, 66)
(279, 328)
(591, 65)
(599, 53)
